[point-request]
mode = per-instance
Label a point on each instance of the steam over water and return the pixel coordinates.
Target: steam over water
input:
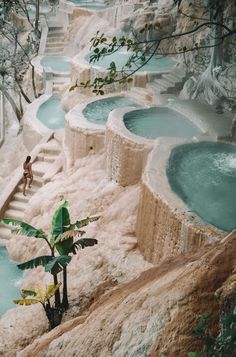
(204, 176)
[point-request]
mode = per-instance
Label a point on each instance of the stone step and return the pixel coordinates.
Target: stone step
(51, 149)
(164, 82)
(20, 197)
(5, 232)
(15, 214)
(46, 158)
(61, 80)
(55, 43)
(37, 182)
(171, 79)
(29, 191)
(61, 75)
(17, 205)
(54, 51)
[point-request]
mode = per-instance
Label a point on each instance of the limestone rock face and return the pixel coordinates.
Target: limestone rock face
(19, 327)
(151, 316)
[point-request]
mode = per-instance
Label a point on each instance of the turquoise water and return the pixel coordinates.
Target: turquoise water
(43, 9)
(93, 5)
(97, 112)
(51, 113)
(10, 277)
(155, 122)
(57, 63)
(156, 63)
(204, 177)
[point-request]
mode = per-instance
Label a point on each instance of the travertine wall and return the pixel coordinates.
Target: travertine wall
(165, 227)
(126, 153)
(81, 141)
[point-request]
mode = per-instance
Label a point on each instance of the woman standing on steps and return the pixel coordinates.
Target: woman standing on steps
(27, 166)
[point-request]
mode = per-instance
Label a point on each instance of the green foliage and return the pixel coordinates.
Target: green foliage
(24, 228)
(56, 265)
(34, 263)
(60, 220)
(62, 242)
(224, 344)
(42, 295)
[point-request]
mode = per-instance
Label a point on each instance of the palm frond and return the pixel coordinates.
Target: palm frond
(24, 228)
(85, 242)
(34, 263)
(25, 293)
(57, 264)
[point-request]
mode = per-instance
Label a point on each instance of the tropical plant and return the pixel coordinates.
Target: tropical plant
(42, 295)
(61, 244)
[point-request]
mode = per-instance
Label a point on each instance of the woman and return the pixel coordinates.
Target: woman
(27, 166)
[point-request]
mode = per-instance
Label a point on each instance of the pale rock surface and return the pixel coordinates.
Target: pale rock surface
(94, 270)
(19, 327)
(151, 316)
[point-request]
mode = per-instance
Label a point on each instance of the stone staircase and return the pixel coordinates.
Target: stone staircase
(46, 157)
(170, 82)
(60, 79)
(56, 41)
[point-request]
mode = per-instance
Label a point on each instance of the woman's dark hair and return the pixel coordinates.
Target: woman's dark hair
(28, 159)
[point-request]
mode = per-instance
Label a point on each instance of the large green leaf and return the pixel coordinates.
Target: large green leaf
(60, 221)
(26, 302)
(64, 247)
(85, 242)
(24, 228)
(34, 263)
(57, 264)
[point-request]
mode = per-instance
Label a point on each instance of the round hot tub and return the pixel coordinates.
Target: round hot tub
(155, 122)
(204, 176)
(131, 135)
(97, 111)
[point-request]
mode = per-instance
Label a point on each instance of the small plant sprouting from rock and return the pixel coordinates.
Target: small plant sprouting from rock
(42, 295)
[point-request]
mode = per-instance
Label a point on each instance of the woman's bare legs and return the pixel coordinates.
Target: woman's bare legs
(30, 181)
(24, 185)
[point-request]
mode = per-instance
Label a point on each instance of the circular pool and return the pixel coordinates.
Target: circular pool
(10, 278)
(156, 64)
(204, 176)
(97, 111)
(159, 121)
(57, 63)
(51, 113)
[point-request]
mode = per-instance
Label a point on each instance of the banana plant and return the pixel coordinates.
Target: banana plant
(61, 242)
(42, 295)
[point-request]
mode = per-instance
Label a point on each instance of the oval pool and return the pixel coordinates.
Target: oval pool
(156, 64)
(51, 113)
(155, 122)
(10, 279)
(57, 63)
(97, 112)
(204, 177)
